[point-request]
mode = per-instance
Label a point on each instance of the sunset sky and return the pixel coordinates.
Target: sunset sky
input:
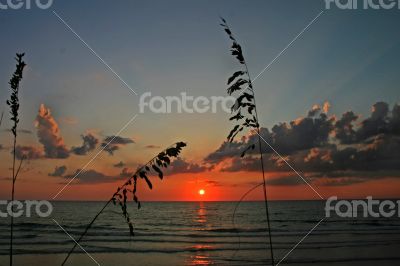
(336, 88)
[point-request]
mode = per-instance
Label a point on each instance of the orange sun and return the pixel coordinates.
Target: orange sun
(201, 192)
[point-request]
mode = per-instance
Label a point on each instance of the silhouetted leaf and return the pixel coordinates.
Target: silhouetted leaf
(238, 116)
(235, 128)
(159, 172)
(234, 135)
(14, 83)
(120, 196)
(148, 182)
(237, 51)
(250, 109)
(248, 96)
(167, 160)
(142, 174)
(234, 76)
(251, 147)
(236, 86)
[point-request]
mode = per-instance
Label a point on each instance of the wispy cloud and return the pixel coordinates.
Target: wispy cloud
(119, 165)
(113, 143)
(181, 166)
(69, 120)
(151, 146)
(28, 153)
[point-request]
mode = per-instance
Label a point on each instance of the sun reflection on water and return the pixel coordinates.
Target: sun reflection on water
(201, 214)
(200, 257)
(200, 260)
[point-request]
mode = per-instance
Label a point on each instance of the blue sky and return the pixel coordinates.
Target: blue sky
(346, 57)
(349, 58)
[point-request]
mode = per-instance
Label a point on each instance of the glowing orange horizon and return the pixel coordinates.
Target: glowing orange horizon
(231, 187)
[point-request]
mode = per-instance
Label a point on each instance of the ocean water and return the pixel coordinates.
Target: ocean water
(203, 233)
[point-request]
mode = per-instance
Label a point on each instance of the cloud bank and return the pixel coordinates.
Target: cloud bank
(92, 177)
(339, 151)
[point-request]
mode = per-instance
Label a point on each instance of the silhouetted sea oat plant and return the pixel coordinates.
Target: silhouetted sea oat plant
(244, 112)
(1, 118)
(120, 197)
(13, 102)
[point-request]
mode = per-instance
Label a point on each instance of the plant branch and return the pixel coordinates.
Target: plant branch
(13, 102)
(1, 119)
(19, 168)
(162, 157)
(246, 112)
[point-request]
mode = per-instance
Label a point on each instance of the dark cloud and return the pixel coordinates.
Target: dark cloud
(344, 128)
(338, 151)
(314, 110)
(394, 122)
(28, 153)
(299, 134)
(364, 174)
(49, 135)
(226, 150)
(342, 181)
(180, 166)
(286, 181)
(382, 153)
(213, 183)
(119, 165)
(92, 177)
(152, 146)
(59, 171)
(126, 172)
(89, 144)
(303, 133)
(113, 143)
(377, 123)
(382, 120)
(117, 140)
